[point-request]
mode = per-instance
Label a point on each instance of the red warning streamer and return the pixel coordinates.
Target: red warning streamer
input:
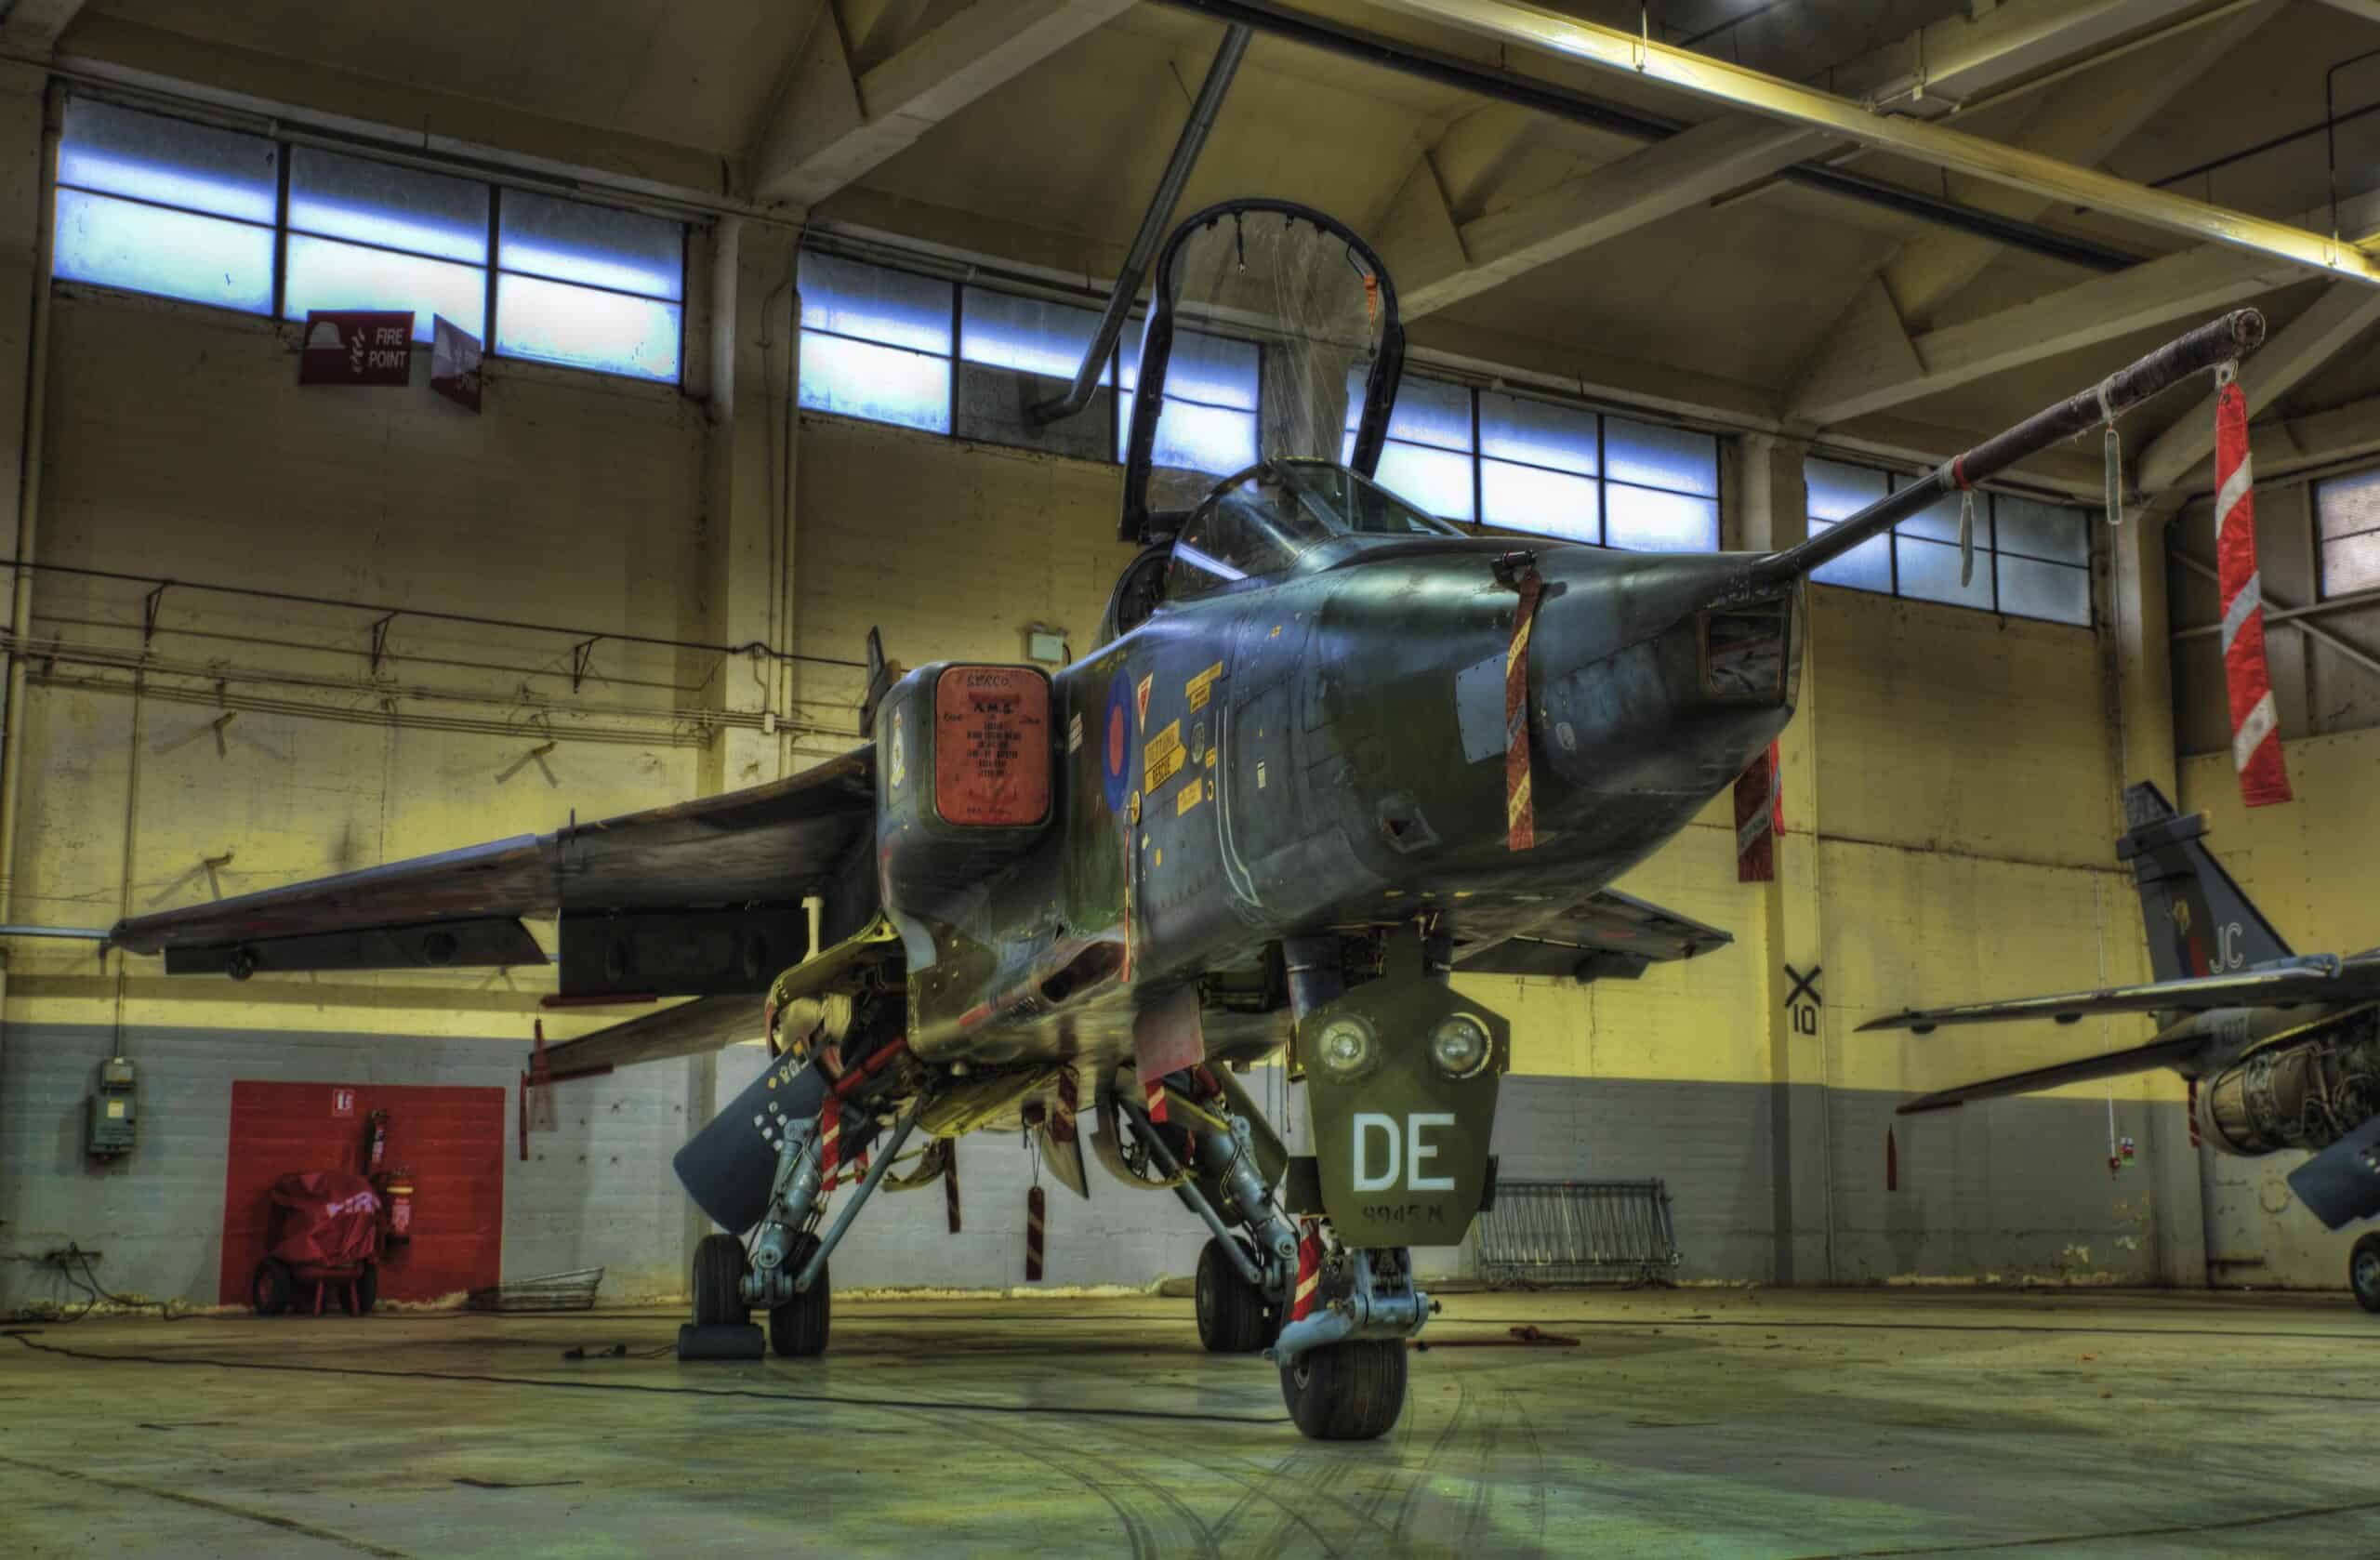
(1760, 818)
(1309, 1270)
(1035, 1210)
(830, 1142)
(1062, 1120)
(2255, 726)
(1520, 808)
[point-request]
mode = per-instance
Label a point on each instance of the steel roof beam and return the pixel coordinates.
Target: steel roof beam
(1716, 81)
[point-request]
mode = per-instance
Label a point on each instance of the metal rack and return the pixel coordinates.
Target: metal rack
(1577, 1232)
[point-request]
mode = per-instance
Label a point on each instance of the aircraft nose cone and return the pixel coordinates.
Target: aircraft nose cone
(1644, 680)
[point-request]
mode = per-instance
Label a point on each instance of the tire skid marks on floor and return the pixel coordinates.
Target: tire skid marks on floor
(1157, 1522)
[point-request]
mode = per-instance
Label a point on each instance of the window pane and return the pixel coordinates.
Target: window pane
(403, 209)
(1435, 480)
(1212, 370)
(2051, 590)
(586, 328)
(572, 242)
(1668, 457)
(1644, 520)
(1929, 572)
(1204, 437)
(874, 304)
(882, 384)
(1026, 334)
(2351, 563)
(1431, 412)
(1539, 432)
(149, 249)
(1530, 498)
(1939, 521)
(1868, 567)
(1838, 492)
(2056, 532)
(327, 275)
(2345, 504)
(169, 160)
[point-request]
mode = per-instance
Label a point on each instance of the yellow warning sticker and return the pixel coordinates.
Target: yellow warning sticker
(1191, 794)
(1201, 686)
(1211, 758)
(1161, 759)
(116, 1110)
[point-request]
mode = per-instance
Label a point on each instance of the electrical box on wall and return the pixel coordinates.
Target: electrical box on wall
(112, 1125)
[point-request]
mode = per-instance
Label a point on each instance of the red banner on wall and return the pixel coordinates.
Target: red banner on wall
(1760, 818)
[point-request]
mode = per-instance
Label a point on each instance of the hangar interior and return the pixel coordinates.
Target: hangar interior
(764, 287)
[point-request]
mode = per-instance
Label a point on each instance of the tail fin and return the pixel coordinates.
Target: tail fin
(2197, 920)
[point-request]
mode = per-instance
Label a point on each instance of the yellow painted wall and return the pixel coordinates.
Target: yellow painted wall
(2308, 864)
(180, 445)
(1969, 808)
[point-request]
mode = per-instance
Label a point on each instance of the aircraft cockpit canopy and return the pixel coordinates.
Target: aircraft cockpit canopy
(1272, 337)
(1257, 524)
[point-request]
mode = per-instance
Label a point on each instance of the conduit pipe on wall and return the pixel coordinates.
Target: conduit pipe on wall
(21, 611)
(1154, 222)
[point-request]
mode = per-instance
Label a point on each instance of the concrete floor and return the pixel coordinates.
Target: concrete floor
(1688, 1423)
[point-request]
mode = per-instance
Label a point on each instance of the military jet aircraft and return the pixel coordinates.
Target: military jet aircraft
(2281, 1050)
(1328, 751)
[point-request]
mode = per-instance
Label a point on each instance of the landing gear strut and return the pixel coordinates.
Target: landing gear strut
(786, 1269)
(1248, 1270)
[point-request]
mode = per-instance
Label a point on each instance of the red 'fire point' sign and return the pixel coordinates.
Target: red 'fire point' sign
(357, 347)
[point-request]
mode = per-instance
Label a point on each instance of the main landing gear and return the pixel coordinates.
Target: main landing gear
(785, 1270)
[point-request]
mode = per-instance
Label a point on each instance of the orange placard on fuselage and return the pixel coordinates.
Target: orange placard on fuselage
(991, 747)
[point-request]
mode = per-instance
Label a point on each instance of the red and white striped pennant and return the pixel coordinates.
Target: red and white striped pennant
(1061, 1120)
(2256, 724)
(1309, 1270)
(1520, 804)
(830, 1142)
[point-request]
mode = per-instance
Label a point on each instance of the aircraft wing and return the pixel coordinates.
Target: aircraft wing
(761, 845)
(2113, 1063)
(1607, 933)
(694, 1028)
(2285, 984)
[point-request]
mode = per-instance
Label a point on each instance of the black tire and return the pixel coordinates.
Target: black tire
(1346, 1391)
(719, 1277)
(1233, 1317)
(274, 1289)
(798, 1329)
(2363, 1271)
(359, 1297)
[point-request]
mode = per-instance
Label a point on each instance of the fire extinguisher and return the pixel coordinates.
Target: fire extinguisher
(377, 1143)
(396, 1197)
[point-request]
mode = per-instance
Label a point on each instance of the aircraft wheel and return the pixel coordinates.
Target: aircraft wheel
(274, 1287)
(1232, 1312)
(798, 1329)
(2363, 1271)
(718, 1275)
(1346, 1391)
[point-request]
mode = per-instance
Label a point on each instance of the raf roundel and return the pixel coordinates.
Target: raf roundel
(1116, 751)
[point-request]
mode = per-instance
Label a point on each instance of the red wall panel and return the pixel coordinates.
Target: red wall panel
(451, 1138)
